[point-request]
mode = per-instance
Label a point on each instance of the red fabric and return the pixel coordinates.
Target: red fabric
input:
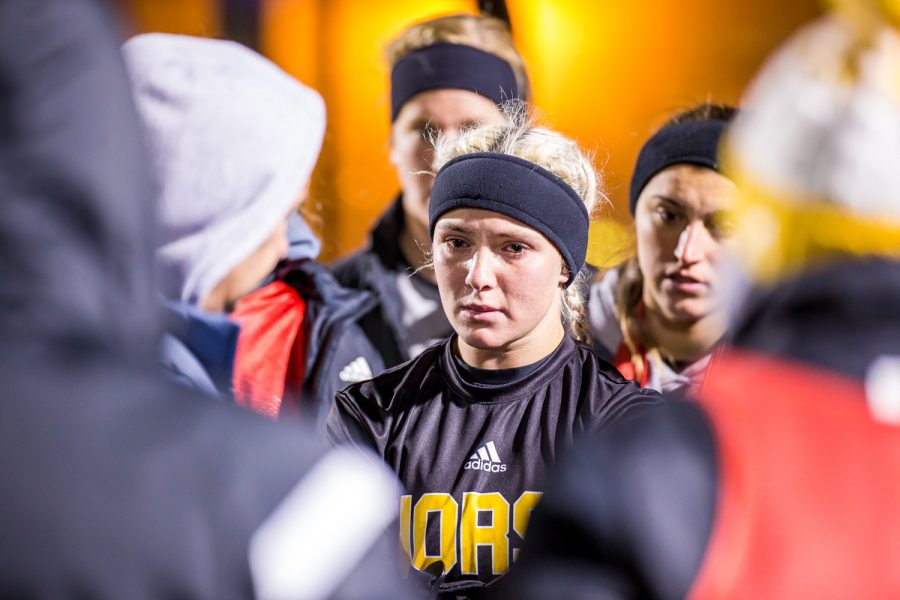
(809, 493)
(622, 361)
(269, 362)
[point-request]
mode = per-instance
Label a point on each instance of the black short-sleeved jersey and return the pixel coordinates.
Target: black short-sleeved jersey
(473, 459)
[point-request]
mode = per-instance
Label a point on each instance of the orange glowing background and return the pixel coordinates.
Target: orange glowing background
(604, 73)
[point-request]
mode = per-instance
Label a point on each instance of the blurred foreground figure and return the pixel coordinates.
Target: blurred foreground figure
(233, 141)
(117, 483)
(782, 482)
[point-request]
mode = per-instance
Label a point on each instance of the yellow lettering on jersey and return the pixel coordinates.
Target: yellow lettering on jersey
(446, 506)
(496, 535)
(405, 516)
(522, 514)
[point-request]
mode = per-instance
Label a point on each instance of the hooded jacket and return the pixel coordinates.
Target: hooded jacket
(301, 342)
(233, 139)
(117, 483)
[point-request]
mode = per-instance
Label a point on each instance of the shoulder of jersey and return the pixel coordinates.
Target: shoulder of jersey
(601, 367)
(397, 381)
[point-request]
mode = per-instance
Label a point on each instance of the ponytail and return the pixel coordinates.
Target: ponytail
(628, 296)
(574, 309)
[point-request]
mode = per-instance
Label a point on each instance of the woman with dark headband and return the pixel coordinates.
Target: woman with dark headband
(659, 316)
(472, 424)
(446, 74)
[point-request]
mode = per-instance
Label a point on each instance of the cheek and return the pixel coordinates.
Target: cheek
(450, 274)
(533, 286)
(655, 247)
(410, 153)
(723, 252)
(646, 251)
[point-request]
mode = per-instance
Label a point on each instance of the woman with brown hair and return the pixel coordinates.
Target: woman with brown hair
(659, 316)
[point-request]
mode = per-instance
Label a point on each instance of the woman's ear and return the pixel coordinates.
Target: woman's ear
(564, 275)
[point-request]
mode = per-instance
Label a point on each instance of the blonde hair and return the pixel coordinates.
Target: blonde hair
(518, 136)
(488, 34)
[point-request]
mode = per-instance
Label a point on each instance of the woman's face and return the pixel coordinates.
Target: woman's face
(442, 110)
(499, 281)
(253, 270)
(683, 226)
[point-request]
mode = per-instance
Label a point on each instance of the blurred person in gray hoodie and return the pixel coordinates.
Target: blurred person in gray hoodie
(233, 141)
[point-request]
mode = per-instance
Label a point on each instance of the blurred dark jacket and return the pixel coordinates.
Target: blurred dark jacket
(661, 509)
(198, 349)
(375, 269)
(301, 342)
(116, 482)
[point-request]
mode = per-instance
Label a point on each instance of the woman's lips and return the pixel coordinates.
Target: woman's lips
(685, 284)
(480, 312)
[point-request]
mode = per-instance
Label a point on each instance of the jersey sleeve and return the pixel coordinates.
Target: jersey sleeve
(631, 401)
(345, 425)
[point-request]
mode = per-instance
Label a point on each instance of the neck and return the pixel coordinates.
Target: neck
(685, 341)
(520, 353)
(414, 242)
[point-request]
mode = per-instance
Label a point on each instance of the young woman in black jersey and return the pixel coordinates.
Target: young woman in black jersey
(472, 424)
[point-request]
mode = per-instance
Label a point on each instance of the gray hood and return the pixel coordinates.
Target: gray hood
(234, 139)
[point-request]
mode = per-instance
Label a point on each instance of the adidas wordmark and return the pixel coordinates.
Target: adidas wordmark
(485, 459)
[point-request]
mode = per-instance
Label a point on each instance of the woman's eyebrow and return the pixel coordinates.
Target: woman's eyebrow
(670, 200)
(454, 227)
(525, 236)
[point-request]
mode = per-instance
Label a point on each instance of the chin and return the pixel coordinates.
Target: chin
(687, 311)
(483, 339)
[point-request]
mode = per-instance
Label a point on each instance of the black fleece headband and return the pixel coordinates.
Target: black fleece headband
(451, 66)
(691, 142)
(518, 189)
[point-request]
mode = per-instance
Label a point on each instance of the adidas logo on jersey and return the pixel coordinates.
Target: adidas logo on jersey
(357, 370)
(485, 459)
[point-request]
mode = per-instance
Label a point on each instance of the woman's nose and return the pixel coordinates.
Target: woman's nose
(480, 271)
(692, 243)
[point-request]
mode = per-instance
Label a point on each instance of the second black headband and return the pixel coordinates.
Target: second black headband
(451, 66)
(690, 142)
(518, 189)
